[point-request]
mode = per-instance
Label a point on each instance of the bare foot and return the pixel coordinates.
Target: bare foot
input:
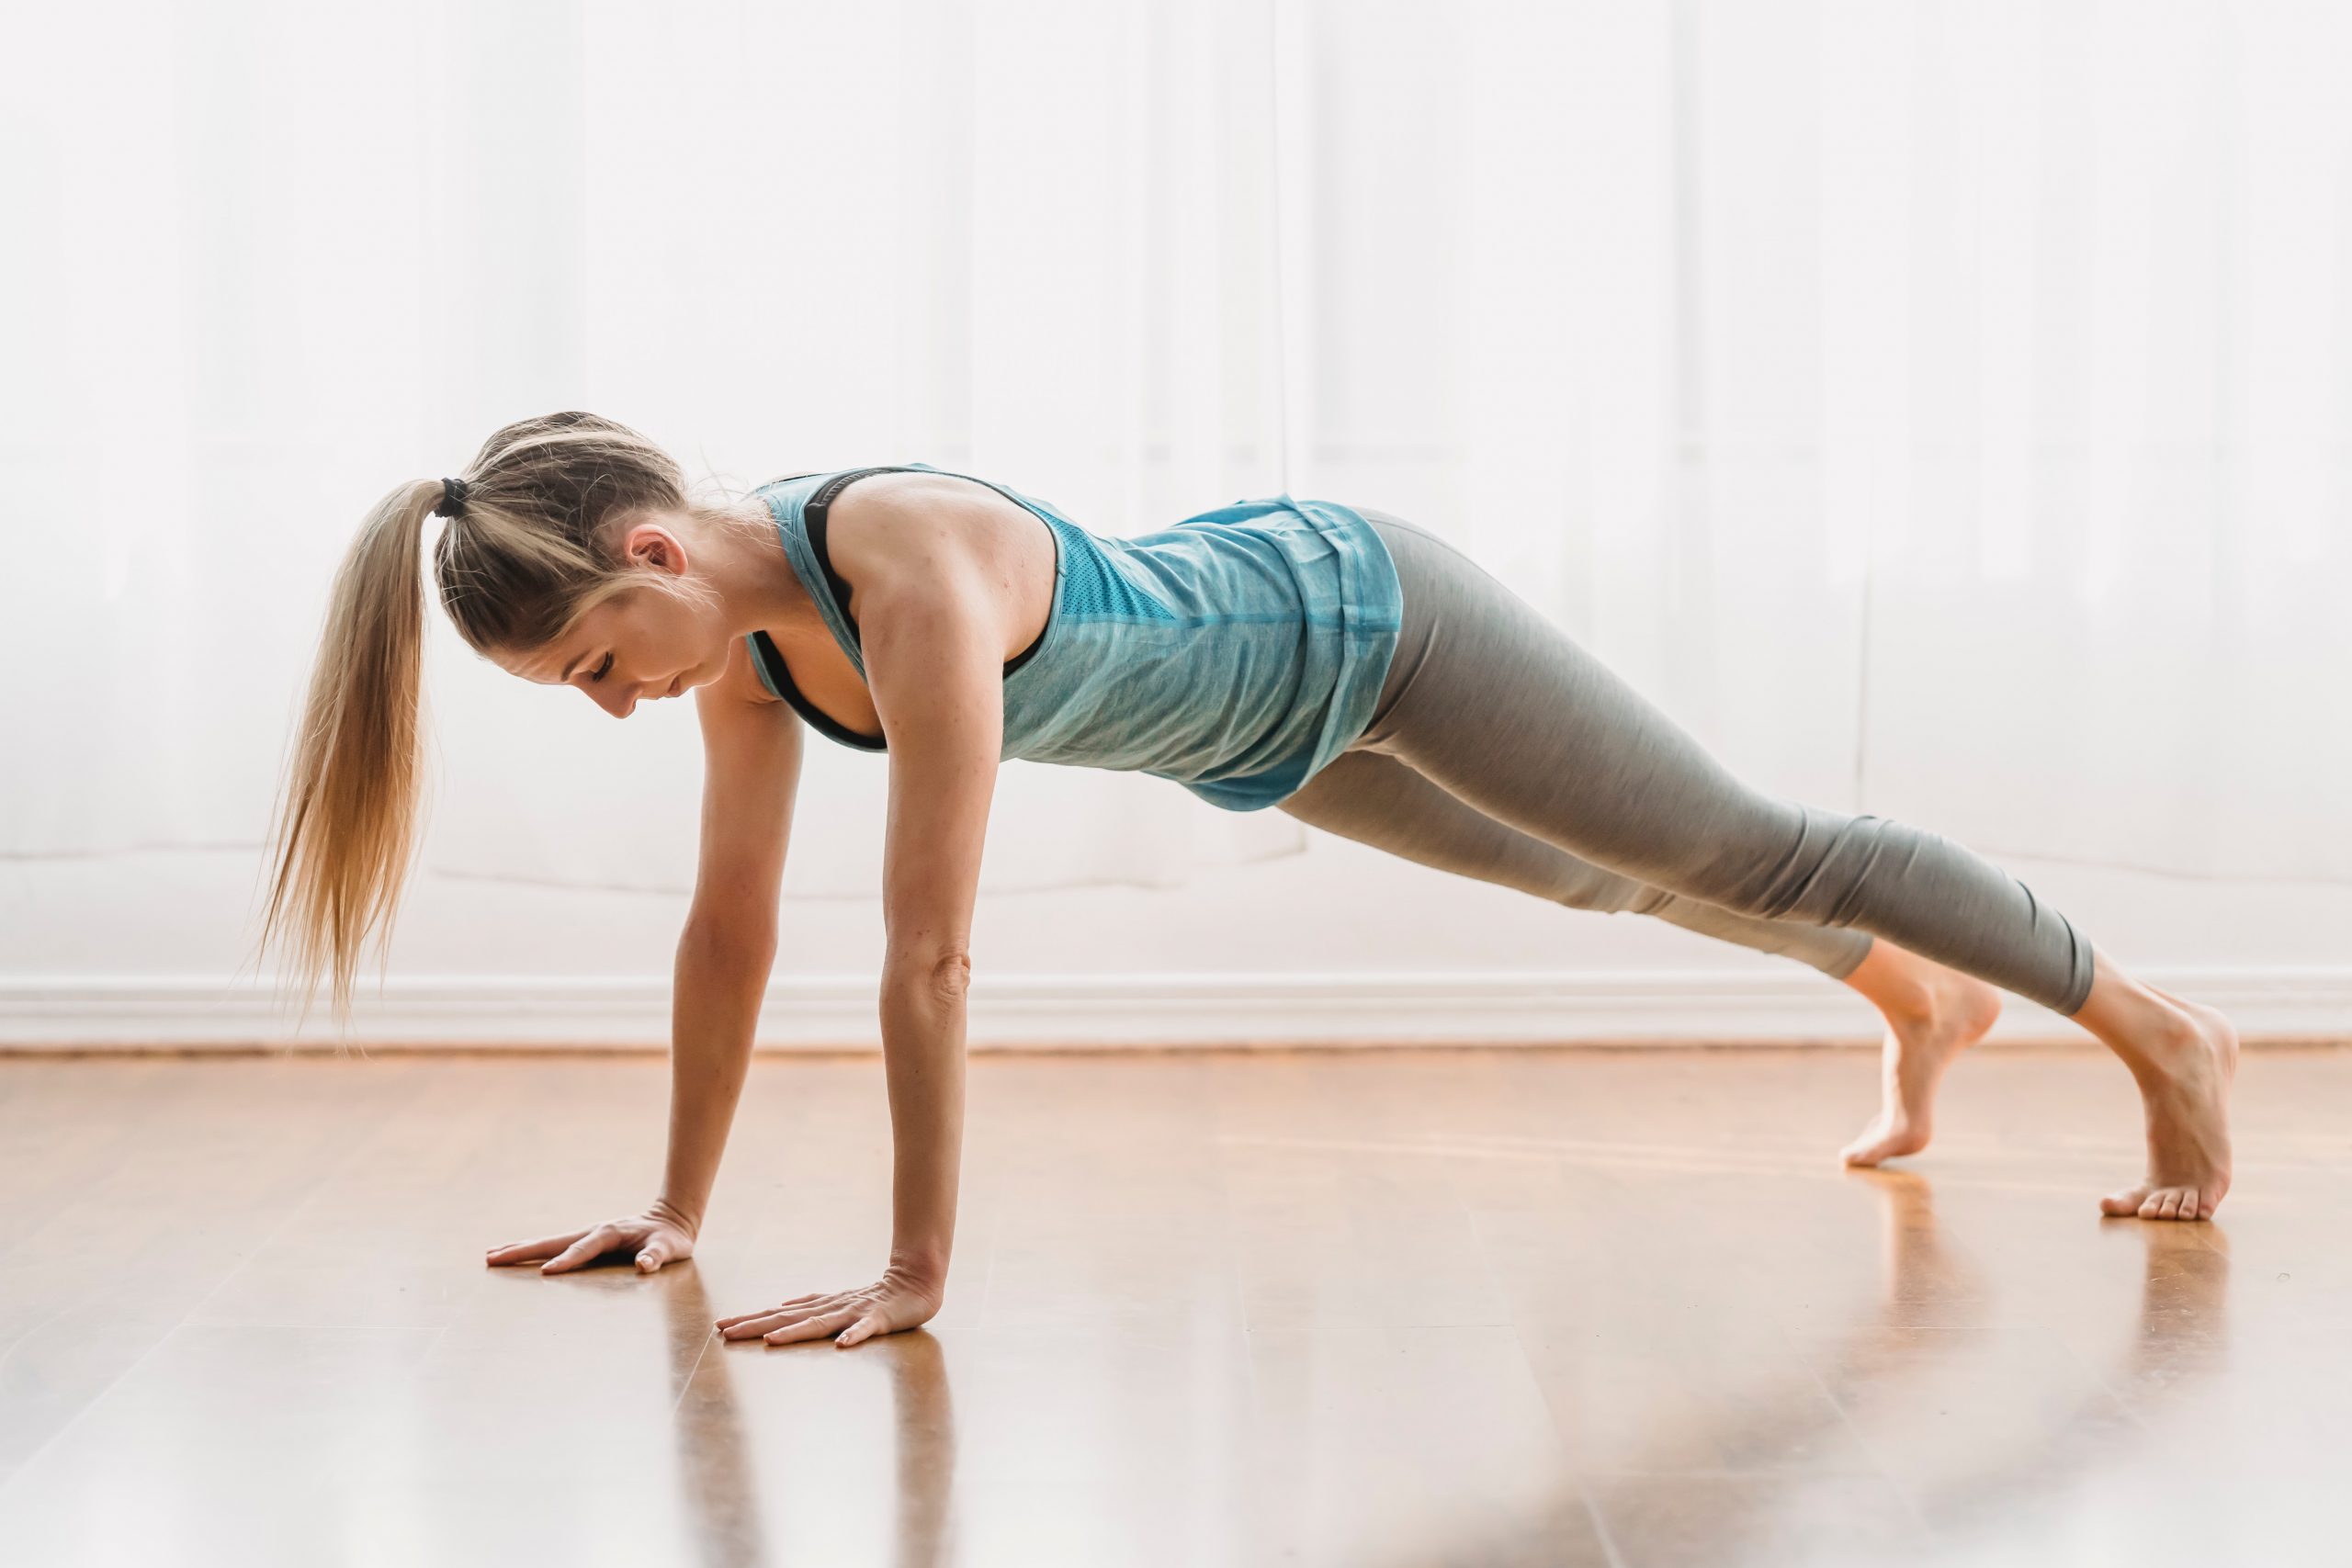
(1920, 1043)
(2186, 1088)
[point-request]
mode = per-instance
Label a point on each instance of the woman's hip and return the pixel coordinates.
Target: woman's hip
(1442, 590)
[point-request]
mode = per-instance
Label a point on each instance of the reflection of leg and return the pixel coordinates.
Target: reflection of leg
(2184, 1323)
(1380, 801)
(1917, 1267)
(1787, 1424)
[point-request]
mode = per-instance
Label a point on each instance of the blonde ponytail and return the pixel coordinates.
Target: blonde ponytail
(346, 817)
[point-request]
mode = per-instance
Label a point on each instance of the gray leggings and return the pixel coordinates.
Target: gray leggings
(1502, 749)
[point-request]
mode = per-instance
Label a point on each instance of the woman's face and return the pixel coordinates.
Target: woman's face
(642, 644)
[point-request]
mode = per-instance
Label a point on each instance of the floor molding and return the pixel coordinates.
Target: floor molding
(1155, 1009)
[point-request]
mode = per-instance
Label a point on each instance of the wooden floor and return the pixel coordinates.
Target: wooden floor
(1361, 1308)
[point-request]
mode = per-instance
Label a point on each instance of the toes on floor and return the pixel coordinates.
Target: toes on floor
(2159, 1203)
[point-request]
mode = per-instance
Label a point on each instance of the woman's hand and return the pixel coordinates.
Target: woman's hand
(904, 1299)
(659, 1236)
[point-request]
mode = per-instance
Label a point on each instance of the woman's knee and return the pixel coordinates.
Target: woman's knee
(1810, 865)
(1759, 857)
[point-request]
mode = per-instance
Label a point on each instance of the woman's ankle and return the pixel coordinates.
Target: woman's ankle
(1898, 983)
(2131, 1020)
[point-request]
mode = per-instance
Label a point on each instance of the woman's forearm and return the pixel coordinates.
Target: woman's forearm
(713, 1014)
(923, 1049)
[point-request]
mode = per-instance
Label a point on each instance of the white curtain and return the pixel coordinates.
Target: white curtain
(1939, 407)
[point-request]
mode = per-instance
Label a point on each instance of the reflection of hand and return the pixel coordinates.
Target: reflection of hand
(659, 1236)
(902, 1300)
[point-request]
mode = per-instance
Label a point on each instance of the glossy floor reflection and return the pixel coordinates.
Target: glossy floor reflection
(1477, 1307)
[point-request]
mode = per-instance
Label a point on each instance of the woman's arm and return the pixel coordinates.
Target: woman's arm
(751, 780)
(751, 773)
(933, 629)
(922, 1053)
(719, 980)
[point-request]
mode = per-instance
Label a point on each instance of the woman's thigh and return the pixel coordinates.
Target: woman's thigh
(1377, 800)
(1506, 711)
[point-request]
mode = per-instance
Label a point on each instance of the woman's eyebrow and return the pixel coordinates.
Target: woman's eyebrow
(569, 668)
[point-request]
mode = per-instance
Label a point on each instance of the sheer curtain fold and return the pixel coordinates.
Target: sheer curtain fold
(1940, 407)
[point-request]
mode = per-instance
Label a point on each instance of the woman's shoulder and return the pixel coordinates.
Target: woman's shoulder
(868, 521)
(996, 519)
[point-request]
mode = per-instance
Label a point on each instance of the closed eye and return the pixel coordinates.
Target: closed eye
(607, 664)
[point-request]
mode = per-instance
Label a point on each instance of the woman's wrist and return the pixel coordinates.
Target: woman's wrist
(688, 1220)
(925, 1266)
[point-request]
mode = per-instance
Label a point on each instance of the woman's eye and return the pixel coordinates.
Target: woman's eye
(601, 669)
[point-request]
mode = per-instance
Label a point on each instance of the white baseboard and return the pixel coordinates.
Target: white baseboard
(1271, 1009)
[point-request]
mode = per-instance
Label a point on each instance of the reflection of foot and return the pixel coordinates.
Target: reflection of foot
(1920, 1045)
(1919, 1270)
(2186, 1087)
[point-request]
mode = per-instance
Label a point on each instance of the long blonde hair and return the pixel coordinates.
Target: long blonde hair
(527, 555)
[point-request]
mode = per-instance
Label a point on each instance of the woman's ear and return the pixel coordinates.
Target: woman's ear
(656, 546)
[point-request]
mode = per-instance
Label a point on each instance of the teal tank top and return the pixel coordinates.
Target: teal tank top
(1236, 652)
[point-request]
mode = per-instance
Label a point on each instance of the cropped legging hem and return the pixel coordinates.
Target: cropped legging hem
(1499, 748)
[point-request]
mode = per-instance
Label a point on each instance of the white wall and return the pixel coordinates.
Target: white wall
(1940, 410)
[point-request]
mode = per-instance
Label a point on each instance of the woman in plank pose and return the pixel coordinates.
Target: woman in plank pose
(1339, 663)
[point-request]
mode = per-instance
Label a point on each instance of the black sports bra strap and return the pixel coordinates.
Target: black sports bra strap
(814, 515)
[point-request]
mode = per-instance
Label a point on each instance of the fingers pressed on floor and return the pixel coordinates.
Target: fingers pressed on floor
(748, 1327)
(531, 1251)
(808, 1327)
(572, 1256)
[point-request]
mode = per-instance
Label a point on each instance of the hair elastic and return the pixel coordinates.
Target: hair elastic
(453, 499)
